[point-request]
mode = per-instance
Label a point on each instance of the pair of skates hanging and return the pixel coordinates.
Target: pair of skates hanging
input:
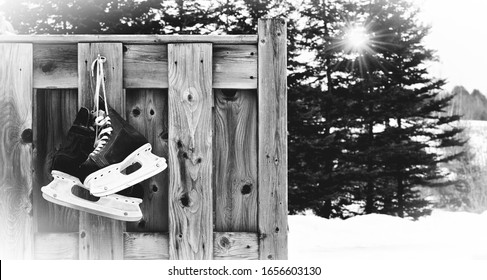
(104, 154)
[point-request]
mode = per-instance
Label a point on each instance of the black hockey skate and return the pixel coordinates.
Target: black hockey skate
(68, 174)
(122, 156)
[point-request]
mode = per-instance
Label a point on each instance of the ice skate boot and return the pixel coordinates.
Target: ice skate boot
(122, 156)
(68, 175)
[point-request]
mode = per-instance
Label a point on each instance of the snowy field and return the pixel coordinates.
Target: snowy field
(441, 236)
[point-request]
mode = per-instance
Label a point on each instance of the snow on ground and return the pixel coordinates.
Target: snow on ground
(441, 236)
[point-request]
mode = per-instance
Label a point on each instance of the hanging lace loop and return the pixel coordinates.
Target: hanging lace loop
(102, 120)
(97, 66)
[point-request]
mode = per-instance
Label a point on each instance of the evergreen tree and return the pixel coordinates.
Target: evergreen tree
(318, 115)
(402, 132)
(365, 129)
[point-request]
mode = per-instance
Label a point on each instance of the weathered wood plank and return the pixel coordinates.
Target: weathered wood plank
(235, 66)
(145, 66)
(87, 53)
(55, 66)
(55, 113)
(16, 230)
(146, 246)
(56, 246)
(147, 112)
(129, 39)
(272, 96)
(236, 246)
(100, 237)
(190, 151)
(235, 160)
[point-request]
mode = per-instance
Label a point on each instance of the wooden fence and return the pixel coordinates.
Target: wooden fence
(213, 106)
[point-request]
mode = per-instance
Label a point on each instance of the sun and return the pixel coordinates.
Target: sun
(357, 38)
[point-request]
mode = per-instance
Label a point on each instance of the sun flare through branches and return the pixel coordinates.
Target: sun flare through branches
(357, 41)
(356, 38)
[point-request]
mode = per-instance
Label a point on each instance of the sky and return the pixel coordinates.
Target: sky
(459, 34)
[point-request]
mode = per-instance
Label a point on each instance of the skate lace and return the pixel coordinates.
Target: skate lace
(103, 124)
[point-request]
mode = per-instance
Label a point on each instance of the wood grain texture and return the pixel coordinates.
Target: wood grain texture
(145, 66)
(130, 39)
(16, 223)
(146, 246)
(56, 246)
(236, 246)
(235, 160)
(100, 237)
(235, 66)
(55, 113)
(190, 151)
(272, 96)
(87, 53)
(147, 112)
(55, 66)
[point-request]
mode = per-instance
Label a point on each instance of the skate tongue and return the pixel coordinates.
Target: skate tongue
(83, 117)
(100, 113)
(101, 104)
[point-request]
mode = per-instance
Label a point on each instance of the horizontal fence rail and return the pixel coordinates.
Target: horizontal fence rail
(145, 66)
(148, 246)
(129, 39)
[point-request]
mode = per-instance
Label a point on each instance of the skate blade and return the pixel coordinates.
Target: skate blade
(110, 179)
(118, 207)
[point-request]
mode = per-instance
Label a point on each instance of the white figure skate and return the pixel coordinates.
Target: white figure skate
(60, 191)
(112, 178)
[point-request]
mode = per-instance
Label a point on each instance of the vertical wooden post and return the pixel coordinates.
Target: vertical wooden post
(190, 155)
(100, 238)
(16, 230)
(272, 155)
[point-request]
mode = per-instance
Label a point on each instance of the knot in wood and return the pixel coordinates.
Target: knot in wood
(224, 242)
(48, 67)
(191, 94)
(26, 136)
(136, 112)
(185, 200)
(179, 143)
(164, 136)
(246, 189)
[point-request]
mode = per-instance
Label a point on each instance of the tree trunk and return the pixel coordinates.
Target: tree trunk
(369, 199)
(325, 210)
(400, 196)
(400, 185)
